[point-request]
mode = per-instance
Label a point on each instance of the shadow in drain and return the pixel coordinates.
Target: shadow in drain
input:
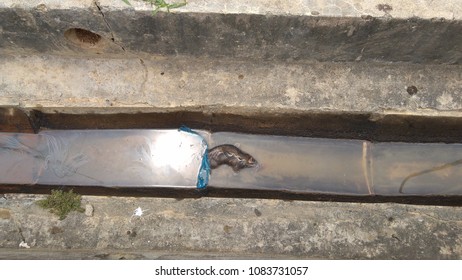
(216, 192)
(343, 125)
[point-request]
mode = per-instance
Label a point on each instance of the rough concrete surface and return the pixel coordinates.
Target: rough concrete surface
(285, 36)
(50, 81)
(333, 8)
(234, 228)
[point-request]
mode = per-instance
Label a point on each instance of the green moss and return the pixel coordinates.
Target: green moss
(62, 203)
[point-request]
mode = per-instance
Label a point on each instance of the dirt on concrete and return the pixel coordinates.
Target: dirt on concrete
(230, 228)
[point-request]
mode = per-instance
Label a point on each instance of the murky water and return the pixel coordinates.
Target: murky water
(417, 168)
(297, 164)
(173, 158)
(343, 167)
(22, 158)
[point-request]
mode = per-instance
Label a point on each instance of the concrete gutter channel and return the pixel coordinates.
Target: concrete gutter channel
(364, 70)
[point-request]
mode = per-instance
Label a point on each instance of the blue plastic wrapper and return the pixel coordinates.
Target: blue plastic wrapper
(204, 171)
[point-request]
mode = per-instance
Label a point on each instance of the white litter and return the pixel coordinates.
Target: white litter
(24, 245)
(138, 212)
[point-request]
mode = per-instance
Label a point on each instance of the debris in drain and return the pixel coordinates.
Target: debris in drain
(232, 156)
(434, 169)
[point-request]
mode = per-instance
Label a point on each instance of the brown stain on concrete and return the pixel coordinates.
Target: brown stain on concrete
(5, 214)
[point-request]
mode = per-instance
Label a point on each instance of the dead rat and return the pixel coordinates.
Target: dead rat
(232, 156)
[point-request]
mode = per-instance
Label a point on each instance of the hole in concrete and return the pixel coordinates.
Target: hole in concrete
(411, 90)
(227, 229)
(83, 38)
(257, 212)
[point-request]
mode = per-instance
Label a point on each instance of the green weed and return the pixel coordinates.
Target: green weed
(61, 203)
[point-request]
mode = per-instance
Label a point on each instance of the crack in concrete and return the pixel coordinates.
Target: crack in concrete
(147, 104)
(435, 218)
(145, 78)
(20, 234)
(107, 25)
(19, 229)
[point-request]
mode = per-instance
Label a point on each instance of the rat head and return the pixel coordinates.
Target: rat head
(240, 160)
(251, 161)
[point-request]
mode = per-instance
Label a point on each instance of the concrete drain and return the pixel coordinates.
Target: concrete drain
(83, 38)
(70, 150)
(181, 158)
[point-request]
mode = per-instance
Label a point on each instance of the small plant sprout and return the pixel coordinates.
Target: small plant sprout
(161, 4)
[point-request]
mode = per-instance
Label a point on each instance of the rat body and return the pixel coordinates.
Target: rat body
(232, 156)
